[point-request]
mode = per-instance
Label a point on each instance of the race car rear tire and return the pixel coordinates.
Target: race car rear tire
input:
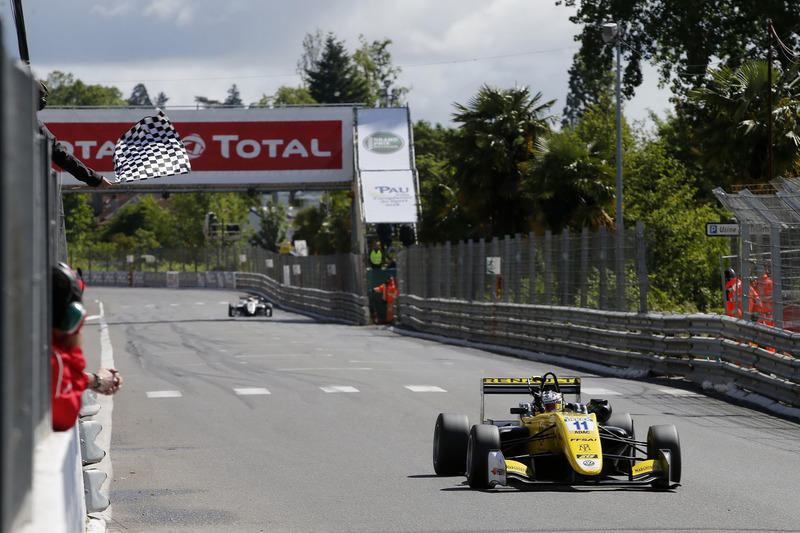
(624, 422)
(483, 438)
(230, 310)
(450, 444)
(665, 437)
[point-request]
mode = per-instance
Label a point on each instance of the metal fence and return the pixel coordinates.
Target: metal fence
(571, 270)
(769, 245)
(29, 242)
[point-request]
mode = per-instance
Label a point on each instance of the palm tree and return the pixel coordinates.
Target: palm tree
(573, 184)
(735, 136)
(497, 136)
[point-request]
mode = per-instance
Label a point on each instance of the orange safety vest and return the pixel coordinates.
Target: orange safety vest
(765, 311)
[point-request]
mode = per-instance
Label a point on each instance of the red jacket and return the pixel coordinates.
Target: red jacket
(68, 383)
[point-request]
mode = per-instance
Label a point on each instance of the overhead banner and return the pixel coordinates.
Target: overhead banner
(386, 165)
(225, 146)
(389, 196)
(383, 142)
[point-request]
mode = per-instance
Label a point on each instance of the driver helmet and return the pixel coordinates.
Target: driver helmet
(551, 401)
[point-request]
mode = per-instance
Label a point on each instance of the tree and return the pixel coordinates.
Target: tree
(573, 184)
(682, 37)
(683, 263)
(139, 96)
(441, 215)
(79, 221)
(735, 137)
(334, 78)
(498, 132)
(65, 90)
(288, 96)
(272, 230)
(234, 99)
(375, 64)
(326, 228)
(161, 100)
(204, 102)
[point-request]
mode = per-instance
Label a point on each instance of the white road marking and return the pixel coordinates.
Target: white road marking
(164, 394)
(251, 392)
(679, 392)
(424, 388)
(339, 389)
(600, 392)
(286, 355)
(301, 368)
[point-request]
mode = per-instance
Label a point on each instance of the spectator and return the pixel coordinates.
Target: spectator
(67, 362)
(63, 158)
(376, 256)
(384, 232)
(390, 292)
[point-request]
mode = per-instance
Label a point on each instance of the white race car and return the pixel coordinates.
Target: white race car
(250, 306)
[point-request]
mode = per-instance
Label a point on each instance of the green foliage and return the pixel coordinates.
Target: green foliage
(326, 228)
(335, 78)
(272, 230)
(572, 183)
(499, 129)
(682, 261)
(681, 37)
(735, 137)
(375, 64)
(78, 219)
(288, 96)
(65, 90)
(442, 218)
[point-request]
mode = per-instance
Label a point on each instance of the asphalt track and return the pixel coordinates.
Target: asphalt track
(288, 424)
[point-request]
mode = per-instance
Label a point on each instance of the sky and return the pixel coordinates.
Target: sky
(446, 49)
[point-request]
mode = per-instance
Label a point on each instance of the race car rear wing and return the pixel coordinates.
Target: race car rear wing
(528, 386)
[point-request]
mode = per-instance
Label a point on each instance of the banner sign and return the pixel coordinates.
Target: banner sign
(389, 196)
(225, 146)
(383, 142)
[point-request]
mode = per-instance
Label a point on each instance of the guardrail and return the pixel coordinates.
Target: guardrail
(339, 306)
(706, 349)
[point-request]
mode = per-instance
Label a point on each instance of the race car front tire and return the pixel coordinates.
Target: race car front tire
(450, 444)
(665, 437)
(483, 438)
(230, 310)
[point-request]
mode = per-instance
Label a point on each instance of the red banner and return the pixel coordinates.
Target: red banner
(221, 146)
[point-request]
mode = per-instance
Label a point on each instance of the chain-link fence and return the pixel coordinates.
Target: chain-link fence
(573, 270)
(768, 260)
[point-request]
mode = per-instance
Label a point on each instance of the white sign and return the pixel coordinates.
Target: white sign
(332, 269)
(493, 265)
(383, 142)
(301, 248)
(722, 230)
(389, 196)
(296, 270)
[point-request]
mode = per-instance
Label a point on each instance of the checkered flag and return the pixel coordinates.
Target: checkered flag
(151, 149)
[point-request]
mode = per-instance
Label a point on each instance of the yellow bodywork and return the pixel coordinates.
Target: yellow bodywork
(574, 435)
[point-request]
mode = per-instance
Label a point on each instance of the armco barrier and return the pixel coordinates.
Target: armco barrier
(706, 349)
(345, 307)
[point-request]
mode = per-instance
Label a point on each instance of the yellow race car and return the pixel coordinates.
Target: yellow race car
(554, 441)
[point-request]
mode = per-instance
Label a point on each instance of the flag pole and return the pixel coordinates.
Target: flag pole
(22, 38)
